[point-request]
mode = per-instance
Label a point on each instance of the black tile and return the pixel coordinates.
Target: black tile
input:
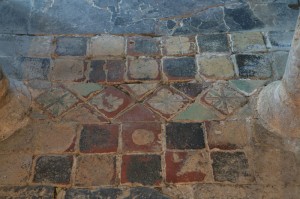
(185, 136)
(180, 68)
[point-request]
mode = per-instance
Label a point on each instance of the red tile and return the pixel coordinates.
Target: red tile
(141, 137)
(99, 138)
(111, 101)
(192, 166)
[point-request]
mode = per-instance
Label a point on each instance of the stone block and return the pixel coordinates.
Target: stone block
(248, 42)
(71, 46)
(99, 138)
(54, 169)
(33, 68)
(183, 68)
(213, 43)
(179, 45)
(95, 170)
(106, 45)
(15, 169)
(67, 70)
(279, 40)
(231, 167)
(143, 46)
(228, 135)
(185, 136)
(216, 66)
(143, 69)
(141, 169)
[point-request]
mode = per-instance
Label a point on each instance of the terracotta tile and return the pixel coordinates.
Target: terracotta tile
(141, 137)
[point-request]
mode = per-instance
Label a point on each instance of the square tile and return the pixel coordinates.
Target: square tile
(33, 68)
(248, 42)
(95, 170)
(185, 136)
(143, 46)
(68, 70)
(71, 46)
(143, 69)
(231, 167)
(141, 137)
(167, 102)
(53, 169)
(142, 169)
(183, 68)
(192, 166)
(111, 101)
(106, 45)
(97, 71)
(213, 43)
(99, 138)
(179, 45)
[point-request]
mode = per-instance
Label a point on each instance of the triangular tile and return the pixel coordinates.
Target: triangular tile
(84, 89)
(84, 114)
(140, 90)
(138, 113)
(197, 113)
(245, 86)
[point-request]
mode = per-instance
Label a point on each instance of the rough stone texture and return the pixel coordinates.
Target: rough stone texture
(279, 40)
(95, 170)
(137, 46)
(216, 67)
(248, 42)
(106, 45)
(71, 46)
(46, 192)
(53, 169)
(180, 68)
(142, 169)
(67, 70)
(179, 46)
(143, 69)
(15, 169)
(213, 43)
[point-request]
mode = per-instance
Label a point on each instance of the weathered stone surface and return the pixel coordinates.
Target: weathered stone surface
(67, 70)
(167, 102)
(95, 170)
(108, 193)
(111, 101)
(144, 192)
(143, 69)
(216, 67)
(140, 91)
(192, 166)
(179, 46)
(15, 169)
(183, 68)
(143, 46)
(53, 169)
(248, 42)
(8, 43)
(232, 167)
(254, 66)
(33, 68)
(213, 43)
(99, 138)
(84, 89)
(279, 62)
(228, 135)
(97, 71)
(141, 137)
(106, 45)
(279, 40)
(142, 169)
(185, 136)
(190, 89)
(223, 98)
(71, 46)
(56, 101)
(14, 17)
(45, 192)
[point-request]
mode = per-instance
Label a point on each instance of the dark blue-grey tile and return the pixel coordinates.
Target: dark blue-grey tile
(14, 16)
(68, 16)
(33, 192)
(213, 43)
(280, 40)
(71, 46)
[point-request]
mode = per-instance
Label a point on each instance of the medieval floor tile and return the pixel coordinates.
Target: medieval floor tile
(111, 101)
(180, 45)
(71, 46)
(141, 137)
(139, 91)
(95, 170)
(248, 42)
(53, 169)
(167, 102)
(213, 43)
(99, 138)
(183, 68)
(186, 166)
(185, 136)
(143, 69)
(190, 89)
(68, 69)
(143, 46)
(142, 169)
(106, 45)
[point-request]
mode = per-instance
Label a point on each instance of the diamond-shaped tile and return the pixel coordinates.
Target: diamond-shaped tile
(111, 101)
(56, 101)
(139, 90)
(223, 98)
(167, 102)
